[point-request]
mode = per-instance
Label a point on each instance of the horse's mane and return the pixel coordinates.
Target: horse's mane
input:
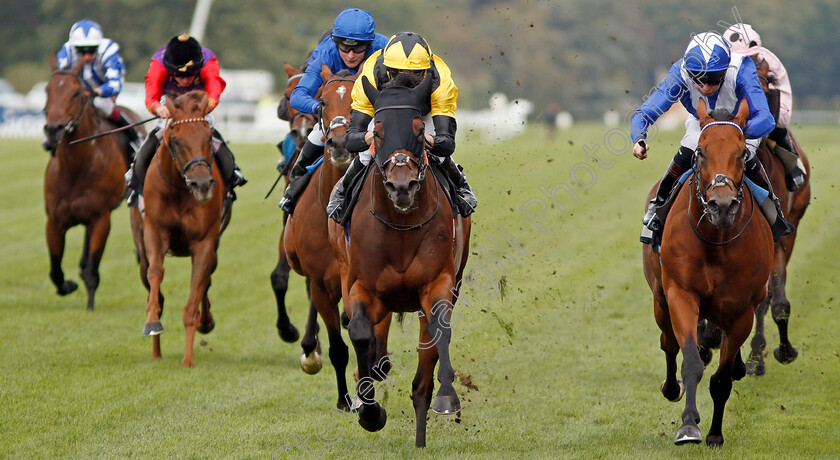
(721, 114)
(189, 102)
(404, 79)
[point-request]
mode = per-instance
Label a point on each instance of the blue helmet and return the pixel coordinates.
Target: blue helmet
(85, 33)
(706, 53)
(353, 27)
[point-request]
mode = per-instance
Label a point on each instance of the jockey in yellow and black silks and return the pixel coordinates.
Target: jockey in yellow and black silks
(408, 54)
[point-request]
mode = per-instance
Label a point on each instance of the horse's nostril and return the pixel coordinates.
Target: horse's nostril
(390, 187)
(413, 185)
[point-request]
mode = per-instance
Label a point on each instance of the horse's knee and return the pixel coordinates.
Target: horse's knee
(279, 279)
(781, 311)
(360, 331)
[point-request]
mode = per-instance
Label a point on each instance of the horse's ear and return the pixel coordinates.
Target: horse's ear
(290, 71)
(326, 73)
(425, 87)
(702, 114)
(743, 113)
(378, 134)
(370, 91)
(53, 62)
(203, 102)
(170, 105)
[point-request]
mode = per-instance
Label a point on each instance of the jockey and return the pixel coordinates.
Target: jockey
(707, 70)
(178, 68)
(743, 39)
(351, 41)
(406, 53)
(102, 69)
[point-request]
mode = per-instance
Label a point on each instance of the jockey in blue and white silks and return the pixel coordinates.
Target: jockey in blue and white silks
(708, 70)
(102, 66)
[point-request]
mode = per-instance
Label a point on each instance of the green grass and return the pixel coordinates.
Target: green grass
(566, 360)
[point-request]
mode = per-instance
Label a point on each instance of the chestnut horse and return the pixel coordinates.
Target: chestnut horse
(715, 259)
(794, 205)
(300, 125)
(305, 236)
(183, 199)
(83, 182)
(405, 252)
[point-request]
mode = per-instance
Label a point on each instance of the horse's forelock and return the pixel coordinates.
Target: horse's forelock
(721, 114)
(343, 73)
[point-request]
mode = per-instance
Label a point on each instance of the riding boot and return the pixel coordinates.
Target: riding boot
(299, 176)
(231, 174)
(337, 196)
(786, 151)
(136, 175)
(770, 207)
(659, 205)
(467, 201)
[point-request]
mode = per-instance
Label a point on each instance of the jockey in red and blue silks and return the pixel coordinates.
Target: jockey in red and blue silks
(102, 68)
(352, 40)
(708, 70)
(178, 68)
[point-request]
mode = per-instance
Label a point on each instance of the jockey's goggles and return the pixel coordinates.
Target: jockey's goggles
(346, 45)
(86, 49)
(708, 78)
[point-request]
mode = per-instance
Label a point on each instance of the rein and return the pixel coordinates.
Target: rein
(337, 121)
(706, 212)
(74, 122)
(421, 176)
(199, 160)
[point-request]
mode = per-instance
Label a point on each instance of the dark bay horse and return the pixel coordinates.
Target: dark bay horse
(306, 239)
(300, 125)
(794, 205)
(715, 259)
(405, 252)
(183, 199)
(83, 182)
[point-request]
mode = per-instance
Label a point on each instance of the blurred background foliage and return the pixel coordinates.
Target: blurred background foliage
(589, 56)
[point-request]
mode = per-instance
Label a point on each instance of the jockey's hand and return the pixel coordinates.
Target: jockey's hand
(430, 141)
(640, 149)
(97, 91)
(369, 137)
(162, 111)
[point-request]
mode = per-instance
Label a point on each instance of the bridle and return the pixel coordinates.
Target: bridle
(720, 180)
(337, 121)
(199, 160)
(77, 118)
(400, 159)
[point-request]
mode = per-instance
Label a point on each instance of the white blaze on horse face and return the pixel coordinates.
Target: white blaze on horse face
(341, 90)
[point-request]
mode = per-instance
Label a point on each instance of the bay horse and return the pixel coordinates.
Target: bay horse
(183, 198)
(715, 259)
(300, 125)
(405, 252)
(84, 182)
(306, 239)
(794, 204)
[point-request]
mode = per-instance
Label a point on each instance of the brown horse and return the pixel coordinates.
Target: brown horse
(300, 125)
(405, 252)
(716, 256)
(183, 199)
(305, 237)
(83, 182)
(794, 205)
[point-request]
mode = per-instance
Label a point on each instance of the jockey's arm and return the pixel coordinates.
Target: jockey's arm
(114, 69)
(213, 82)
(443, 143)
(358, 136)
(303, 96)
(761, 121)
(666, 93)
(155, 79)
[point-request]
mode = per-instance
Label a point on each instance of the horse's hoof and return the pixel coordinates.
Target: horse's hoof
(688, 433)
(68, 287)
(679, 395)
(205, 328)
(714, 441)
(153, 328)
(378, 421)
(446, 405)
(312, 363)
(342, 405)
(345, 319)
(289, 334)
(705, 354)
(786, 354)
(755, 369)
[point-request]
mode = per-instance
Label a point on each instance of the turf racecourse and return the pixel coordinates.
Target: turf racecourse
(564, 363)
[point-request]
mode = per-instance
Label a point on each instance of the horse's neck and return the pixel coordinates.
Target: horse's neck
(78, 158)
(168, 169)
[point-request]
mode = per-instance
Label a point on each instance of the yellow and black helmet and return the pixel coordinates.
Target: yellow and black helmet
(407, 51)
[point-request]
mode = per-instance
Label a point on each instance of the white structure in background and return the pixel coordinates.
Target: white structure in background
(505, 118)
(247, 110)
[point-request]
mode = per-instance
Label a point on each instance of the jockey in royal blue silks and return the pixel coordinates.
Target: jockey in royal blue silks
(708, 70)
(102, 69)
(352, 40)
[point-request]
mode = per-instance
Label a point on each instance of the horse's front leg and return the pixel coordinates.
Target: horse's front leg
(423, 384)
(730, 367)
(683, 309)
(436, 300)
(55, 244)
(203, 264)
(96, 235)
(328, 309)
(156, 242)
(671, 388)
(310, 356)
(780, 307)
(280, 284)
(372, 416)
(755, 363)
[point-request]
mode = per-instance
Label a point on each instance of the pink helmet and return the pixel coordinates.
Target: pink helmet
(743, 39)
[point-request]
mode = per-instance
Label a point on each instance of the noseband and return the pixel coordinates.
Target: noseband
(74, 122)
(401, 159)
(199, 160)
